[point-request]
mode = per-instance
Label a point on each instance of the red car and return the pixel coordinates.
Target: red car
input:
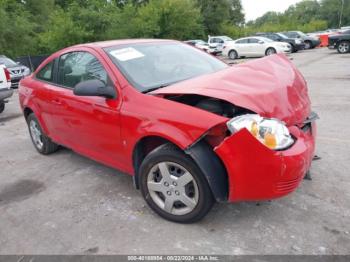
(190, 129)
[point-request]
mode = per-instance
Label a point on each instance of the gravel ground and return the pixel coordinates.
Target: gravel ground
(67, 204)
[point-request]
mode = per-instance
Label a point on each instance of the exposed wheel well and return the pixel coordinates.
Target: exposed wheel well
(27, 111)
(201, 153)
(142, 149)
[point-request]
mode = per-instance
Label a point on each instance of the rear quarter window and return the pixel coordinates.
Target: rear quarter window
(46, 73)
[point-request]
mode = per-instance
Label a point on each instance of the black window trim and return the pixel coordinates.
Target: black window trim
(55, 71)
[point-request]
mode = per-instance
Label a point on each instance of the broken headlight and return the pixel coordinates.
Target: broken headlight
(271, 132)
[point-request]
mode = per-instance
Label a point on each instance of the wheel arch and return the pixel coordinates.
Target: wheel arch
(27, 110)
(200, 152)
(143, 147)
(270, 47)
(232, 50)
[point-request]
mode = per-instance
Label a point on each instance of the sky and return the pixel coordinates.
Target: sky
(256, 8)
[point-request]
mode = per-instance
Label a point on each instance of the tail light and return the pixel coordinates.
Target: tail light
(7, 74)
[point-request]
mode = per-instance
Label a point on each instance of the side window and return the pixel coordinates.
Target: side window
(77, 67)
(274, 37)
(243, 41)
(253, 41)
(46, 72)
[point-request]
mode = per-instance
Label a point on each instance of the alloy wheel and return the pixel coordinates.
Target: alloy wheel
(172, 188)
(344, 47)
(36, 134)
(271, 51)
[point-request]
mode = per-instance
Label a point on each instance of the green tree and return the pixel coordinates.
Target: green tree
(17, 35)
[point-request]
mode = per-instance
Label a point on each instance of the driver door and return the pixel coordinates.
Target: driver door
(88, 125)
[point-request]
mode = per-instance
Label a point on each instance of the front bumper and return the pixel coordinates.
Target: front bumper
(257, 173)
(5, 93)
(15, 81)
(299, 47)
(332, 44)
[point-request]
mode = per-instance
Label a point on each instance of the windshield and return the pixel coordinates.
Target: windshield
(7, 62)
(155, 65)
(301, 33)
(226, 38)
(282, 35)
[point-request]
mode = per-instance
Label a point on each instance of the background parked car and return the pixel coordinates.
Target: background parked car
(254, 47)
(341, 42)
(5, 86)
(310, 41)
(296, 44)
(17, 71)
(218, 42)
(199, 44)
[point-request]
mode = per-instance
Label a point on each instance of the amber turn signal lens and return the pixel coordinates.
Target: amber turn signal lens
(254, 129)
(270, 140)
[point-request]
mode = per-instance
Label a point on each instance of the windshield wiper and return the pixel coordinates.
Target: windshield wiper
(154, 88)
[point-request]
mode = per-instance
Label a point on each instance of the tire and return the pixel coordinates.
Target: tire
(2, 107)
(232, 54)
(270, 51)
(41, 142)
(308, 45)
(343, 47)
(294, 49)
(168, 175)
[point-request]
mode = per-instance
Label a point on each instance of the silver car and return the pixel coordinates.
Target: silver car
(17, 71)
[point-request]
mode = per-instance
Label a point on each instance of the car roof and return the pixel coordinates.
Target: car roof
(110, 43)
(254, 36)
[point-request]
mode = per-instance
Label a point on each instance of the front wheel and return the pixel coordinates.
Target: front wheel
(41, 142)
(233, 55)
(173, 186)
(343, 47)
(270, 51)
(308, 45)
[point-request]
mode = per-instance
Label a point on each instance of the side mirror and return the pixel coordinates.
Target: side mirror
(94, 87)
(261, 42)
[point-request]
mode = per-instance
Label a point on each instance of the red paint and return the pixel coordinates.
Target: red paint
(108, 130)
(271, 87)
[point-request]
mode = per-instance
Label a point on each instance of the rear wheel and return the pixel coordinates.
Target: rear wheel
(173, 186)
(41, 142)
(233, 55)
(344, 47)
(308, 45)
(270, 51)
(2, 107)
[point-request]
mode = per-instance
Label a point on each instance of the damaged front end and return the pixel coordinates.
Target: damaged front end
(267, 145)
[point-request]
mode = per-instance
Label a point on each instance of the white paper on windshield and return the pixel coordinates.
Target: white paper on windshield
(126, 54)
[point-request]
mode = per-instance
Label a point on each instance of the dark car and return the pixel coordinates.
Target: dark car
(309, 41)
(17, 71)
(341, 42)
(297, 44)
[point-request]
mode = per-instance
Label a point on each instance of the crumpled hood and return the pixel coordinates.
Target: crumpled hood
(270, 86)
